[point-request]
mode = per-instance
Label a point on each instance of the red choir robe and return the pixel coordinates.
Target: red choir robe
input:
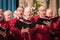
(5, 25)
(28, 36)
(56, 28)
(42, 33)
(10, 36)
(16, 33)
(36, 17)
(37, 36)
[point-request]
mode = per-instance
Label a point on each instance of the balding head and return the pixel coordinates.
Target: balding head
(20, 9)
(42, 10)
(49, 13)
(49, 9)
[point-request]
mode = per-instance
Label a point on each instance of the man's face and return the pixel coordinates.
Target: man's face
(19, 14)
(42, 11)
(1, 14)
(20, 11)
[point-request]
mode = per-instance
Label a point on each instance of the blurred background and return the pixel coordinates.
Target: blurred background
(13, 4)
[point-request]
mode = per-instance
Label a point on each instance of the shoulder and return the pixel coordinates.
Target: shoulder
(13, 20)
(5, 23)
(36, 17)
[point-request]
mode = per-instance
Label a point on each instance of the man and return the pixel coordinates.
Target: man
(42, 12)
(18, 13)
(4, 25)
(44, 28)
(17, 16)
(56, 26)
(20, 10)
(28, 18)
(51, 15)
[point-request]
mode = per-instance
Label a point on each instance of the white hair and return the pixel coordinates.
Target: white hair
(28, 9)
(8, 11)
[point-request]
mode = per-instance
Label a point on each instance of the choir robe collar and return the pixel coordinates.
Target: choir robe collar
(24, 20)
(30, 20)
(35, 18)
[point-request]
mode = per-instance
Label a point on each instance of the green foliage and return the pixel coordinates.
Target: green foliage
(36, 4)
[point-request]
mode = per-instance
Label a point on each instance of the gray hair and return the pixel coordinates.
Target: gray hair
(7, 11)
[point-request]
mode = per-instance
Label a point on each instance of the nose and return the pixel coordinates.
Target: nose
(44, 11)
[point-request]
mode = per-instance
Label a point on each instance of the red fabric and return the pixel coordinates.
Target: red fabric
(42, 33)
(28, 36)
(4, 24)
(36, 17)
(15, 31)
(12, 23)
(56, 29)
(55, 24)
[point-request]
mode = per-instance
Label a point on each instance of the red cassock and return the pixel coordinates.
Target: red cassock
(36, 17)
(10, 36)
(42, 33)
(5, 25)
(23, 36)
(16, 33)
(56, 28)
(28, 36)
